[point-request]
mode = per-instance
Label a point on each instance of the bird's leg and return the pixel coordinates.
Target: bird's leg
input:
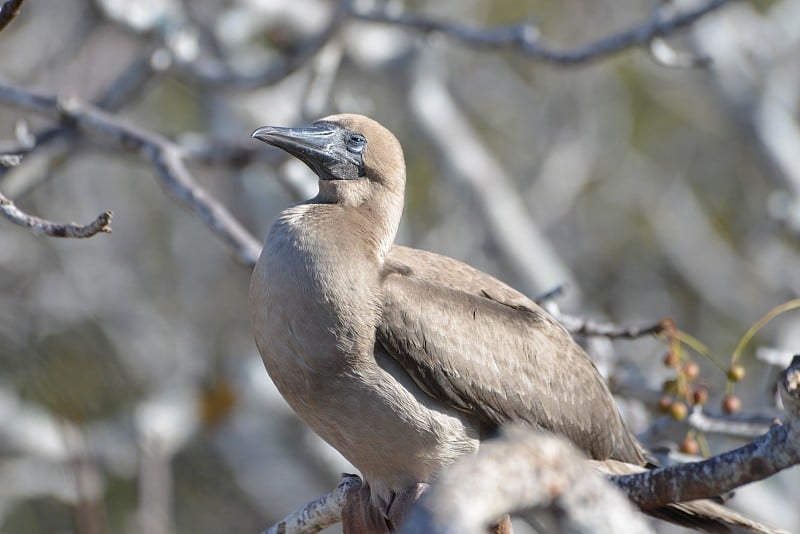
(363, 515)
(400, 506)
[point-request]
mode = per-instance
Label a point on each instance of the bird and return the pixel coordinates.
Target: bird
(406, 360)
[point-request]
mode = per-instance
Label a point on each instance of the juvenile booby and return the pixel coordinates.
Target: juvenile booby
(402, 359)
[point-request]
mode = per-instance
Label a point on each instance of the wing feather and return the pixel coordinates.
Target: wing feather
(484, 349)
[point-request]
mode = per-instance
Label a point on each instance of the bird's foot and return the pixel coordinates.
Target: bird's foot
(398, 510)
(363, 515)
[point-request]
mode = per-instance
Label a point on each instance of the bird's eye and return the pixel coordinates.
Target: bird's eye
(356, 143)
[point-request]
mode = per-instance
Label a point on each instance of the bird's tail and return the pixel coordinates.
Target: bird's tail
(710, 516)
(703, 514)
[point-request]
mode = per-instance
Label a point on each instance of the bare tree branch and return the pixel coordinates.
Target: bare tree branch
(535, 474)
(581, 326)
(319, 514)
(218, 73)
(8, 11)
(525, 39)
(162, 153)
(44, 227)
(122, 90)
(736, 425)
(478, 490)
(119, 92)
(775, 451)
(132, 80)
(41, 226)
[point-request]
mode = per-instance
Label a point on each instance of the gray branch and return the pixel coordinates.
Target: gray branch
(530, 473)
(774, 451)
(544, 479)
(218, 73)
(166, 157)
(525, 39)
(581, 326)
(736, 425)
(44, 227)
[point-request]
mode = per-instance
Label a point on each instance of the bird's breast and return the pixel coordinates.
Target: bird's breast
(313, 299)
(314, 311)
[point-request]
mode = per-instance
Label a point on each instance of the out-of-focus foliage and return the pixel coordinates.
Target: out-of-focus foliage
(131, 395)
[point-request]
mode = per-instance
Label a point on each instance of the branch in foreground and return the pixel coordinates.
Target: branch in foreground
(775, 451)
(166, 156)
(479, 489)
(529, 473)
(525, 37)
(44, 227)
(8, 11)
(319, 514)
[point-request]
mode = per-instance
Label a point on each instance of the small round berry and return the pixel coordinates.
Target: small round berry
(731, 404)
(700, 396)
(689, 445)
(691, 370)
(679, 410)
(736, 373)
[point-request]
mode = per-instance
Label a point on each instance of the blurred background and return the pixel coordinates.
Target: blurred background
(132, 398)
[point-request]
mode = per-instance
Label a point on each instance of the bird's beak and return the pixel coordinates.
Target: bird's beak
(313, 144)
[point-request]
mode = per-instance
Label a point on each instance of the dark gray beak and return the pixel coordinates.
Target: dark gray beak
(315, 144)
(331, 151)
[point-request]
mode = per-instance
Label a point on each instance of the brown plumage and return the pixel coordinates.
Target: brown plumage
(402, 359)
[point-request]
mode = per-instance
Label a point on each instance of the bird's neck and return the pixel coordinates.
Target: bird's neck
(370, 210)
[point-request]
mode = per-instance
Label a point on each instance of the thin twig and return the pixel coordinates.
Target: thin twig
(132, 80)
(218, 73)
(119, 92)
(122, 90)
(44, 227)
(735, 426)
(525, 38)
(166, 156)
(8, 11)
(581, 326)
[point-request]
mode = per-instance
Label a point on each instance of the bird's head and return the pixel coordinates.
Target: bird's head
(343, 148)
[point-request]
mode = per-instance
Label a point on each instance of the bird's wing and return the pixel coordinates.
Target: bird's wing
(495, 361)
(456, 275)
